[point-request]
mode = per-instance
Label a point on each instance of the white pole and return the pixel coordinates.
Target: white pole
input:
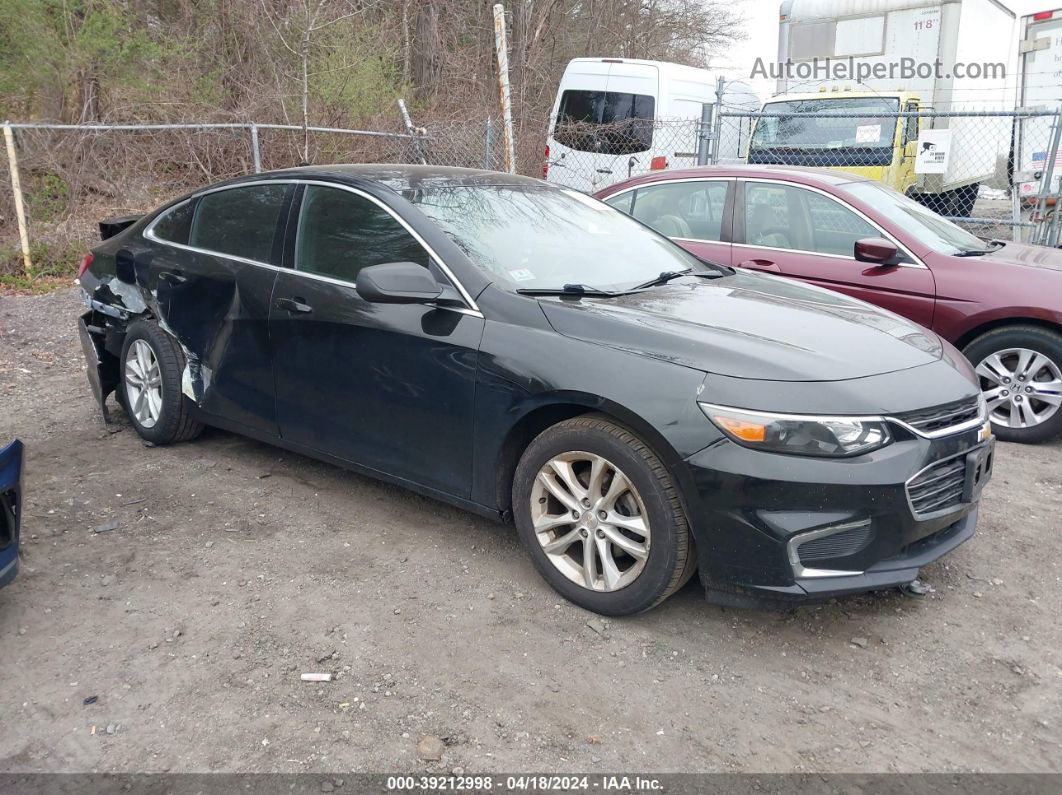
(16, 190)
(501, 47)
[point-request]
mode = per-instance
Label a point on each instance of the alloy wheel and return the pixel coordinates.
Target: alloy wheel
(590, 520)
(143, 384)
(1023, 388)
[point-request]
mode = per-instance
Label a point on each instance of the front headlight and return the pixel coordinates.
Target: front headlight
(799, 434)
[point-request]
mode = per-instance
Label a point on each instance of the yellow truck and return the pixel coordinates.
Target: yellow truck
(857, 131)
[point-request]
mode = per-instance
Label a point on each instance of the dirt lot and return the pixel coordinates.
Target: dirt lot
(236, 567)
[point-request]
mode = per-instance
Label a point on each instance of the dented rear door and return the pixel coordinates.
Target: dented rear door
(213, 296)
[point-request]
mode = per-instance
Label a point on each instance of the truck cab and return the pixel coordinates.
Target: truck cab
(863, 138)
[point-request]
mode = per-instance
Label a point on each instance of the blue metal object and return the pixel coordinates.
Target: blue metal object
(10, 509)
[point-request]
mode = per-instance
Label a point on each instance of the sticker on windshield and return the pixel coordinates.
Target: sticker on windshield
(868, 134)
(522, 275)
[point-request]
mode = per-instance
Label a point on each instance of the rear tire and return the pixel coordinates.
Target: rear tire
(1020, 371)
(152, 368)
(619, 502)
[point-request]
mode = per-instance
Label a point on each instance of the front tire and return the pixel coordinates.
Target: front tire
(152, 367)
(1020, 370)
(601, 516)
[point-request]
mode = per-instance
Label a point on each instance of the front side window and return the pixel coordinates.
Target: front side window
(341, 232)
(174, 225)
(605, 122)
(241, 222)
(690, 210)
(784, 216)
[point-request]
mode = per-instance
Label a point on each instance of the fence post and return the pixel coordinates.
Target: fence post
(411, 130)
(488, 145)
(1042, 230)
(16, 190)
(704, 134)
(717, 126)
(501, 47)
(255, 151)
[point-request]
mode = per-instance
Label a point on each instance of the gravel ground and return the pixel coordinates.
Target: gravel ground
(235, 567)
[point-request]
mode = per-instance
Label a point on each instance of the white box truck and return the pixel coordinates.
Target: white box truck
(1039, 88)
(872, 58)
(614, 118)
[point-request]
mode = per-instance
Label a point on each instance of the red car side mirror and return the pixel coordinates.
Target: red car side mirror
(876, 250)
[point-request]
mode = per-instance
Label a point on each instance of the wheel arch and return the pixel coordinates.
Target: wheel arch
(551, 409)
(992, 325)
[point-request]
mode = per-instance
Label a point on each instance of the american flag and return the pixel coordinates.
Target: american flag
(1039, 159)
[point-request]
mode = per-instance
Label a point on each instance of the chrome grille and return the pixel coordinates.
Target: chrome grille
(835, 545)
(938, 486)
(947, 415)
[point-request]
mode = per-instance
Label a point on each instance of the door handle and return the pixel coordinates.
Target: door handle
(172, 277)
(759, 264)
(293, 305)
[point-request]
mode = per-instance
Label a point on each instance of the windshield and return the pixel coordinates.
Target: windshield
(864, 137)
(537, 237)
(924, 224)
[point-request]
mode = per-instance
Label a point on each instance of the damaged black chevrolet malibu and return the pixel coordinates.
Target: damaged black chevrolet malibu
(533, 355)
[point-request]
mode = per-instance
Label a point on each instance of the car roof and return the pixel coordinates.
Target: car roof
(404, 177)
(805, 175)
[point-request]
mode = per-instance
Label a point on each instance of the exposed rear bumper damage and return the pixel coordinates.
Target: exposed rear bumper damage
(98, 342)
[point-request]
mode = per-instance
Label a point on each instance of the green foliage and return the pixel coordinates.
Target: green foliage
(50, 260)
(48, 198)
(49, 48)
(349, 75)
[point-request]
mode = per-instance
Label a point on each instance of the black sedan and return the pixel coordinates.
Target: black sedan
(531, 354)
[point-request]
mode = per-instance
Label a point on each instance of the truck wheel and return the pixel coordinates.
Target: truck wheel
(601, 517)
(151, 370)
(1020, 369)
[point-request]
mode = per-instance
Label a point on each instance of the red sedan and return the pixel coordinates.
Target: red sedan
(1000, 303)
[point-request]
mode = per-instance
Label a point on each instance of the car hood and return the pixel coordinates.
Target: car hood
(750, 326)
(1029, 256)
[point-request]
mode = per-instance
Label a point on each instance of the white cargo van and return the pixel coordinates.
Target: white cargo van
(617, 117)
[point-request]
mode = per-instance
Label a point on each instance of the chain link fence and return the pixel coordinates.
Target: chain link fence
(997, 173)
(72, 176)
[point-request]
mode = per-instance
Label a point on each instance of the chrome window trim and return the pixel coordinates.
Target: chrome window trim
(677, 180)
(916, 262)
(799, 571)
(953, 429)
(149, 233)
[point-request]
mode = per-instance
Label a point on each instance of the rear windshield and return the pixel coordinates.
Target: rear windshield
(608, 122)
(863, 126)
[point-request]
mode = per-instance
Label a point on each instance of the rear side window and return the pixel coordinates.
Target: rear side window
(239, 221)
(621, 202)
(690, 210)
(607, 122)
(341, 232)
(175, 224)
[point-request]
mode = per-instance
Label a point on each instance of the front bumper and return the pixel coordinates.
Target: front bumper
(10, 509)
(786, 529)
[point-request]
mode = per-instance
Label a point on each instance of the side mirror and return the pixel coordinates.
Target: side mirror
(397, 283)
(876, 250)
